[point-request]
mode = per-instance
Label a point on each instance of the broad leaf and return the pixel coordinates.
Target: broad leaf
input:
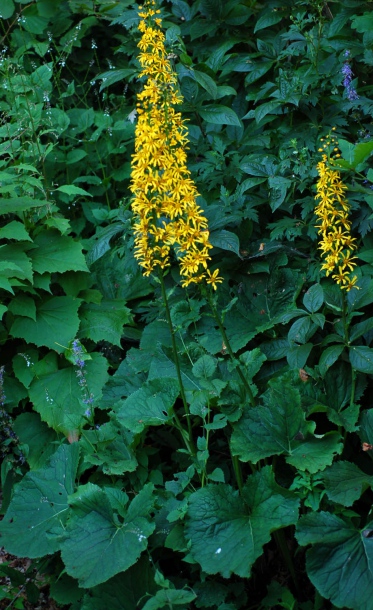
(96, 545)
(37, 513)
(57, 253)
(339, 564)
(227, 532)
(58, 397)
(345, 482)
(219, 115)
(56, 324)
(104, 321)
(40, 439)
(361, 358)
(313, 298)
(124, 591)
(150, 406)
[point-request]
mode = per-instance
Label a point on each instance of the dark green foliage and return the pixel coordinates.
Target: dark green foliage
(257, 491)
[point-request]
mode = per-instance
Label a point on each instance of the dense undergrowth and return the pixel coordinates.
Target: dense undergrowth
(226, 464)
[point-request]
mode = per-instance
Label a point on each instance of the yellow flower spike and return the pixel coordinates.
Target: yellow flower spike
(336, 243)
(164, 195)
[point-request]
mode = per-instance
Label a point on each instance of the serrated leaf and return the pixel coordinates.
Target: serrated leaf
(109, 447)
(15, 230)
(313, 298)
(271, 429)
(150, 406)
(104, 321)
(345, 482)
(92, 534)
(38, 510)
(227, 532)
(56, 324)
(361, 358)
(219, 115)
(57, 253)
(204, 367)
(299, 330)
(58, 397)
(20, 204)
(40, 439)
(314, 454)
(339, 564)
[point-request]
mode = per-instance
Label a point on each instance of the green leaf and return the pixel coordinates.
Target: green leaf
(56, 324)
(339, 564)
(113, 76)
(271, 429)
(40, 439)
(13, 258)
(345, 482)
(313, 298)
(361, 358)
(23, 305)
(299, 330)
(366, 255)
(227, 532)
(15, 230)
(297, 355)
(150, 406)
(360, 329)
(225, 240)
(104, 321)
(269, 18)
(37, 513)
(169, 598)
(219, 115)
(109, 446)
(329, 357)
(124, 591)
(58, 397)
(205, 367)
(71, 189)
(7, 9)
(209, 85)
(92, 533)
(57, 253)
(315, 453)
(20, 204)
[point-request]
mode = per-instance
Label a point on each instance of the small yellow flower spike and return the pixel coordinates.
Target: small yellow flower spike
(164, 195)
(332, 209)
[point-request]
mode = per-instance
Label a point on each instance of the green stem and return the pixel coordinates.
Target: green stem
(230, 352)
(191, 446)
(237, 471)
(279, 537)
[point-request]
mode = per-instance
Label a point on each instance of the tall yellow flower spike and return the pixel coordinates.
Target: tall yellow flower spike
(164, 195)
(334, 226)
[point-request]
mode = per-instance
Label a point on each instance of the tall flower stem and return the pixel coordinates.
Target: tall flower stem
(189, 442)
(230, 351)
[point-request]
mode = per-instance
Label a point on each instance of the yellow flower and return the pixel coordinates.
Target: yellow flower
(164, 195)
(213, 278)
(334, 226)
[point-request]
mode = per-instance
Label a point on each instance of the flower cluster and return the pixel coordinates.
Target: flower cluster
(332, 210)
(164, 203)
(348, 74)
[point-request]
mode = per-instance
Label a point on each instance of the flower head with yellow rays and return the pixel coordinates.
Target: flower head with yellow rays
(164, 195)
(334, 226)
